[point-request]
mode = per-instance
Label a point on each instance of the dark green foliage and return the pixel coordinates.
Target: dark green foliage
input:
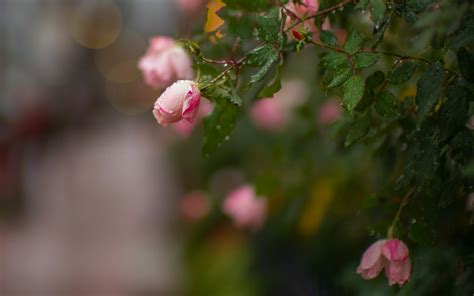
(429, 88)
(402, 72)
(466, 64)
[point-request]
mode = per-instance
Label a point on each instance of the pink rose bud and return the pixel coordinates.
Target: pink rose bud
(297, 35)
(185, 128)
(179, 101)
(274, 114)
(329, 112)
(191, 6)
(164, 62)
(391, 254)
(246, 209)
(194, 206)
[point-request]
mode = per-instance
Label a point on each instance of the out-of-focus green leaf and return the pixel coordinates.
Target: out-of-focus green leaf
(386, 104)
(466, 64)
(248, 5)
(359, 127)
(465, 35)
(273, 87)
(328, 38)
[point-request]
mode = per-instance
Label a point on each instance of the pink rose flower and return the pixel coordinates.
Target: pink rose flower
(185, 128)
(179, 101)
(191, 6)
(274, 114)
(391, 254)
(246, 209)
(329, 112)
(194, 206)
(164, 62)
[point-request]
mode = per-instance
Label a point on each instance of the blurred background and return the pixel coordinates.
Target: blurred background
(86, 185)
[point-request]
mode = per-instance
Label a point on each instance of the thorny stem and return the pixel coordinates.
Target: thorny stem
(397, 216)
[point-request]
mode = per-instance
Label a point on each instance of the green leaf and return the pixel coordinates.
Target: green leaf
(465, 35)
(268, 26)
(262, 72)
(218, 126)
(353, 90)
(402, 72)
(466, 64)
(429, 88)
(338, 76)
(387, 104)
(365, 59)
(273, 87)
(353, 42)
(332, 60)
(220, 93)
(260, 55)
(358, 129)
(362, 4)
(328, 38)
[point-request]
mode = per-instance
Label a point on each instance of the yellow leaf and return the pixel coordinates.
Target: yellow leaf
(213, 21)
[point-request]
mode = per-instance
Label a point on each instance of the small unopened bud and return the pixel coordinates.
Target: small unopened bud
(297, 35)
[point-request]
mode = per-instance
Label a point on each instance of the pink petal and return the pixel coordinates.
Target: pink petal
(372, 255)
(395, 249)
(398, 272)
(191, 105)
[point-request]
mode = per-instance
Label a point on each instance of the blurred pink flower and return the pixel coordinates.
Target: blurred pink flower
(391, 254)
(274, 114)
(185, 128)
(329, 112)
(164, 62)
(191, 6)
(179, 101)
(470, 202)
(194, 206)
(246, 209)
(470, 123)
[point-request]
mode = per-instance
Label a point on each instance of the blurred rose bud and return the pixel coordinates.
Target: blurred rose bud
(194, 206)
(191, 6)
(329, 112)
(470, 123)
(274, 114)
(301, 10)
(470, 202)
(179, 101)
(185, 128)
(164, 62)
(246, 209)
(391, 254)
